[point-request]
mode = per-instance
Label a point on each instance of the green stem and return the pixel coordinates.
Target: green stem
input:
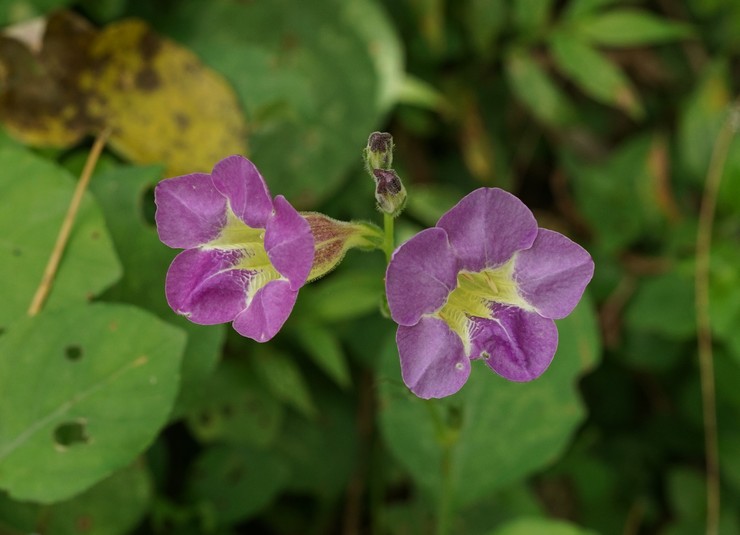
(444, 507)
(388, 242)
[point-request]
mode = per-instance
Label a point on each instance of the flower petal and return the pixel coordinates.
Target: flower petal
(190, 211)
(289, 243)
(420, 276)
(241, 183)
(553, 273)
(433, 361)
(267, 312)
(203, 286)
(487, 227)
(519, 344)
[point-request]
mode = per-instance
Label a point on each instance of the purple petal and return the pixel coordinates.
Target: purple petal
(553, 273)
(289, 243)
(241, 183)
(203, 286)
(519, 344)
(190, 211)
(433, 361)
(487, 227)
(267, 312)
(420, 276)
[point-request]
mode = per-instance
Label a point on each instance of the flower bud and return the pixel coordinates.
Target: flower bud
(333, 238)
(389, 192)
(379, 151)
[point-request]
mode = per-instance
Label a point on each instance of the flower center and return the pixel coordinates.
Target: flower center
(237, 235)
(473, 296)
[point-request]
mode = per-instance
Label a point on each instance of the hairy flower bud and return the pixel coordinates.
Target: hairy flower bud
(389, 191)
(379, 151)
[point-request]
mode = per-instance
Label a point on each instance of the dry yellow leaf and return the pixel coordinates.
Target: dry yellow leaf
(161, 102)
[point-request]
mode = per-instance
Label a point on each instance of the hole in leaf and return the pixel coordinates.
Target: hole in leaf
(70, 433)
(73, 353)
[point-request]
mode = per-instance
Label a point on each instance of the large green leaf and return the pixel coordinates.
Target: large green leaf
(112, 507)
(35, 195)
(314, 78)
(501, 431)
(85, 389)
(122, 192)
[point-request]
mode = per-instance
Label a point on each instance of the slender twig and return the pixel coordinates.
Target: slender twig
(704, 333)
(65, 230)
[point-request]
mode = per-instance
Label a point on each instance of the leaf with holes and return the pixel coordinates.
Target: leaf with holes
(85, 390)
(35, 195)
(122, 194)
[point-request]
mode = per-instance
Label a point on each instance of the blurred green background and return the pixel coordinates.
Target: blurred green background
(118, 417)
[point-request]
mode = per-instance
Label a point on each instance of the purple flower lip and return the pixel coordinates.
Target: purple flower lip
(485, 282)
(246, 254)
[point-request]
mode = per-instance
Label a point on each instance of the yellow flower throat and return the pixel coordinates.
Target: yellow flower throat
(473, 296)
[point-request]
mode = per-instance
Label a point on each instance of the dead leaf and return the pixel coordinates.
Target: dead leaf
(160, 101)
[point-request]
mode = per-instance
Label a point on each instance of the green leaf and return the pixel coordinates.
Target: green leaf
(701, 119)
(630, 27)
(289, 63)
(322, 453)
(236, 408)
(85, 390)
(531, 15)
(595, 75)
(282, 376)
(324, 349)
(724, 294)
(485, 19)
(540, 526)
(122, 193)
(112, 507)
(576, 9)
(536, 90)
(620, 197)
(345, 295)
(504, 430)
(664, 305)
(35, 196)
(233, 483)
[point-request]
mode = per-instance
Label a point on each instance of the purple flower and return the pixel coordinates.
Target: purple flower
(484, 283)
(246, 254)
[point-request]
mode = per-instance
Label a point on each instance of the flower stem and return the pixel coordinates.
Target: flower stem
(65, 230)
(444, 506)
(704, 332)
(388, 242)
